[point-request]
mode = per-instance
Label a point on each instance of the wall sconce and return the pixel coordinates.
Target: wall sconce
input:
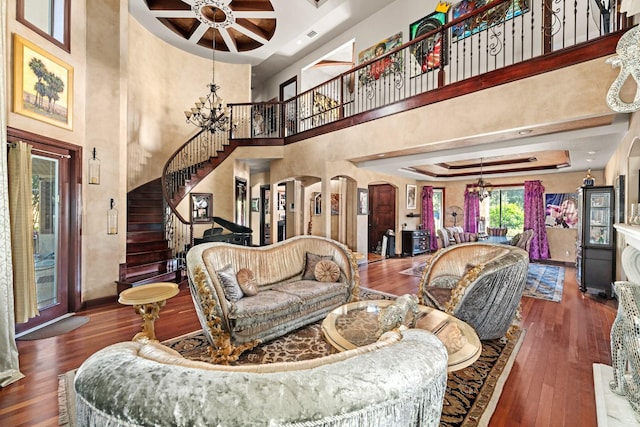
(94, 169)
(112, 219)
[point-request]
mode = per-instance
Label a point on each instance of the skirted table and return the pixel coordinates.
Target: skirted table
(147, 300)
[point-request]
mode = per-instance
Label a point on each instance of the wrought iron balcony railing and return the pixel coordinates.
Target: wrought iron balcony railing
(494, 37)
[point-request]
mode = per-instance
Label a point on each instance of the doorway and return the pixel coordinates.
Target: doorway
(56, 201)
(382, 214)
(265, 215)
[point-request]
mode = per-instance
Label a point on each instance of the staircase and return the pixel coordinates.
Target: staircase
(149, 258)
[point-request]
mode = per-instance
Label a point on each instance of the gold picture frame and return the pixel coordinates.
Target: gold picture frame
(42, 85)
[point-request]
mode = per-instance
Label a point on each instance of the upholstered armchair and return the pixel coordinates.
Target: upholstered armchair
(479, 283)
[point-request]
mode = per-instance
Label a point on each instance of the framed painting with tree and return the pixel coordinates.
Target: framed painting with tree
(42, 85)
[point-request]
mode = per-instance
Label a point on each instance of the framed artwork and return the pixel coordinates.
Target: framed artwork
(489, 18)
(561, 210)
(412, 191)
(317, 203)
(335, 204)
(42, 85)
(383, 67)
(363, 201)
(201, 208)
(255, 205)
(430, 53)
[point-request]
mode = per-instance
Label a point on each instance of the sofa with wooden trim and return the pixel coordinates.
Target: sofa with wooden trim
(246, 295)
(479, 283)
(399, 381)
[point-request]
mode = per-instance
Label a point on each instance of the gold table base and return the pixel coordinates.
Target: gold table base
(147, 300)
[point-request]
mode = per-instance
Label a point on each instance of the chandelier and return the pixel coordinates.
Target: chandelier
(210, 111)
(482, 187)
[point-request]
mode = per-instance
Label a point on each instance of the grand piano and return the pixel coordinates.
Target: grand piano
(230, 232)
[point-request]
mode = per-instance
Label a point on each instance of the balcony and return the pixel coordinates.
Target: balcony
(501, 42)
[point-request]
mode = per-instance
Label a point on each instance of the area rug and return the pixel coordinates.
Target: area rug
(471, 396)
(60, 327)
(544, 281)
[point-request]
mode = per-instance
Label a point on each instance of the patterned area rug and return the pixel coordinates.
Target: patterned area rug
(471, 395)
(544, 281)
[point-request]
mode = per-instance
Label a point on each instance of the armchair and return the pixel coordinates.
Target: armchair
(479, 283)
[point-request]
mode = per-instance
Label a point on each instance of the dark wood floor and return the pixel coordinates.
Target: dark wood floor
(551, 383)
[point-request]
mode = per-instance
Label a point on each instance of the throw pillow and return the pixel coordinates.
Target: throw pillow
(327, 271)
(310, 265)
(247, 282)
(230, 284)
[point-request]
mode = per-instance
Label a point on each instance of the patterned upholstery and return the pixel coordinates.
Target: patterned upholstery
(399, 381)
(480, 283)
(496, 231)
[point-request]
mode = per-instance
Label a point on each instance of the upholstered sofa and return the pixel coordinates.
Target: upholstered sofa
(479, 283)
(287, 289)
(625, 345)
(399, 381)
(453, 235)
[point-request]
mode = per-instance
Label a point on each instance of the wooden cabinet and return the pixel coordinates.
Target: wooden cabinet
(415, 242)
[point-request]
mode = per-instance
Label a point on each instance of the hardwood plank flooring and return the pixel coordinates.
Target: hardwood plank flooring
(551, 383)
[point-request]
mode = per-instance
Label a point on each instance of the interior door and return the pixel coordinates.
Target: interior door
(382, 212)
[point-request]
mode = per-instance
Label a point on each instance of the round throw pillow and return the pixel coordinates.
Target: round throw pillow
(247, 282)
(327, 271)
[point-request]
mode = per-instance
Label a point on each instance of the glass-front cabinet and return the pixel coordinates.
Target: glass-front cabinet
(596, 239)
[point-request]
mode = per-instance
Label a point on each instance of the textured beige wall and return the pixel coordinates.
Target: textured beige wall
(164, 82)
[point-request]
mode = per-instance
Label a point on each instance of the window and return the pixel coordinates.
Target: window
(438, 210)
(49, 18)
(505, 208)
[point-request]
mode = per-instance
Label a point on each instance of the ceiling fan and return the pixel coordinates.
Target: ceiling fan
(454, 212)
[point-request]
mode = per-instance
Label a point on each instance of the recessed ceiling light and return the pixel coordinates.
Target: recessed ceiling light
(525, 132)
(589, 160)
(591, 153)
(381, 155)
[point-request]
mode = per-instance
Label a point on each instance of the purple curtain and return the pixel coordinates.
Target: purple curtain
(428, 222)
(471, 211)
(534, 215)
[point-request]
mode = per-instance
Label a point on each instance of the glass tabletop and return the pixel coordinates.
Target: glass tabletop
(356, 324)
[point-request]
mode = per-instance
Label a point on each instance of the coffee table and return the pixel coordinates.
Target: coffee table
(147, 300)
(356, 324)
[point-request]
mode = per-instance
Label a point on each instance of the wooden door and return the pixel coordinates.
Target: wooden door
(382, 212)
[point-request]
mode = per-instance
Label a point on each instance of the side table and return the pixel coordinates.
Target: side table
(147, 300)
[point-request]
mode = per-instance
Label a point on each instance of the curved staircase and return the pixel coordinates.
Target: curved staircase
(149, 257)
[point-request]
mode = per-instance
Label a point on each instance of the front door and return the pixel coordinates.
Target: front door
(382, 213)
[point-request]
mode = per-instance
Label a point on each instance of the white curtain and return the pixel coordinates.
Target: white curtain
(9, 367)
(25, 295)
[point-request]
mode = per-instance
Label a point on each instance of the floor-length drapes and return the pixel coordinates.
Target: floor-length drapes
(428, 221)
(9, 366)
(25, 297)
(471, 211)
(534, 217)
